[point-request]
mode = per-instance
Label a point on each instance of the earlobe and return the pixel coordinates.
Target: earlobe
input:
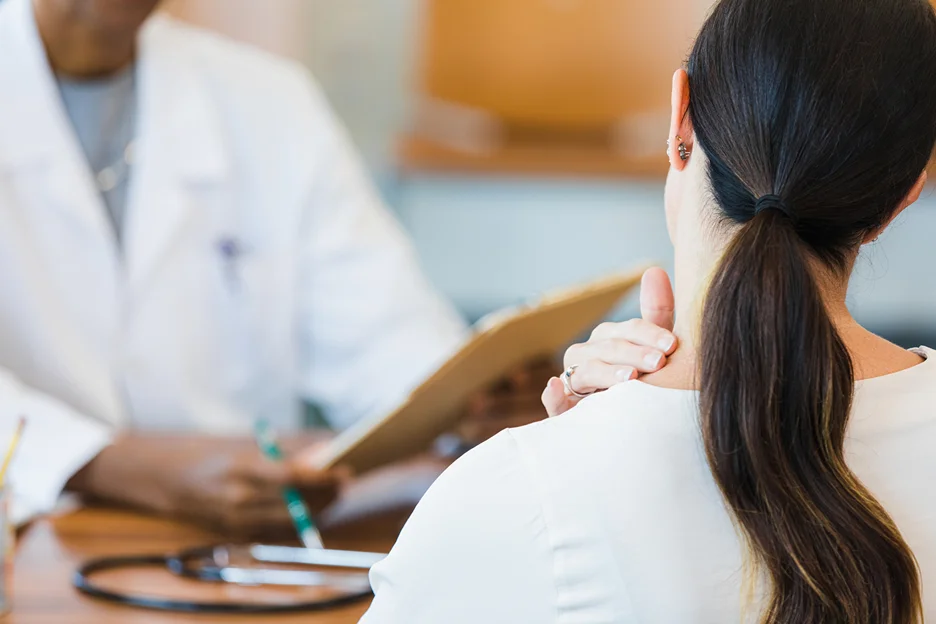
(682, 149)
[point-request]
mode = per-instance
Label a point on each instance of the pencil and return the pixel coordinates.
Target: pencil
(298, 511)
(11, 449)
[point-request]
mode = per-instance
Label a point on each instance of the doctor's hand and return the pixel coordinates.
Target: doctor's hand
(223, 483)
(618, 352)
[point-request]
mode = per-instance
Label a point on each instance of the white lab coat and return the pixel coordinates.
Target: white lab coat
(258, 267)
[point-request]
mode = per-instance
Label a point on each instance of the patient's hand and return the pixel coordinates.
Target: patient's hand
(618, 352)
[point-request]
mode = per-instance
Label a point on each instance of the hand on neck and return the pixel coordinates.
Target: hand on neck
(700, 240)
(78, 46)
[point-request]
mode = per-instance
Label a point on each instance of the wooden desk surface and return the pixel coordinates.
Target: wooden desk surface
(50, 550)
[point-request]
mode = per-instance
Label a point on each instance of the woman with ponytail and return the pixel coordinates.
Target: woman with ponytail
(781, 468)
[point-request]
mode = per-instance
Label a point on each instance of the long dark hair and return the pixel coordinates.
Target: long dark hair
(829, 106)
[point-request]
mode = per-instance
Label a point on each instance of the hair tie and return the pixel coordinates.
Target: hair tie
(767, 202)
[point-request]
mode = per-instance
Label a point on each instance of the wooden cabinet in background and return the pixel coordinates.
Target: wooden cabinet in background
(547, 86)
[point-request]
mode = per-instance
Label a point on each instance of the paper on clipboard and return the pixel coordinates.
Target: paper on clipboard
(502, 342)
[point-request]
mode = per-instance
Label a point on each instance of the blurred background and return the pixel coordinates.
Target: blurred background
(521, 143)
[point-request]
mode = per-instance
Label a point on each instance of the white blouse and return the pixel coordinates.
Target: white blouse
(610, 514)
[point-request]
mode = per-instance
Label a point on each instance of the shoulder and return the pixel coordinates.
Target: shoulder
(239, 71)
(627, 445)
(478, 532)
(631, 416)
(262, 103)
(536, 500)
(484, 486)
(218, 52)
(898, 400)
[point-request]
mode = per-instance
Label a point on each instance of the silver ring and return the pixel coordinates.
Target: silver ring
(567, 382)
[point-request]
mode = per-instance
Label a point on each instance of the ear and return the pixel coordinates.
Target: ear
(909, 200)
(680, 125)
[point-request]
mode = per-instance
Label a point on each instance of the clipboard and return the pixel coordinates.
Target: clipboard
(501, 342)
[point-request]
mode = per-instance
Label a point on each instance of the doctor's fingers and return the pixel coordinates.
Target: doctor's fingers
(297, 470)
(317, 498)
(252, 509)
(265, 483)
(246, 496)
(239, 495)
(307, 472)
(253, 467)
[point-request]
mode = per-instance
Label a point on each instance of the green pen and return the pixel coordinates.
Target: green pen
(305, 527)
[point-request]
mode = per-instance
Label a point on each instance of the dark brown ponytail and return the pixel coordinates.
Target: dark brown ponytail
(776, 393)
(820, 104)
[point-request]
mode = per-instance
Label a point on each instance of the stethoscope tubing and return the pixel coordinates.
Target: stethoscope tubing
(177, 564)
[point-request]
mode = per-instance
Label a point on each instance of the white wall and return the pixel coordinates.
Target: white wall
(280, 26)
(489, 242)
(359, 50)
(362, 51)
(492, 242)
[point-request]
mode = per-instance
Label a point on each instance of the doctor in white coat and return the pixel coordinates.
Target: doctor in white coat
(187, 244)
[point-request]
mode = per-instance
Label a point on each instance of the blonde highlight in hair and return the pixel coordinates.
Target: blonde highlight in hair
(775, 443)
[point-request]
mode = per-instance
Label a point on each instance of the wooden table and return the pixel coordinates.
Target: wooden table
(50, 550)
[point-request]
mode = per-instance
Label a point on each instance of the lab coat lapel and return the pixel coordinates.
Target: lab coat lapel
(180, 160)
(38, 139)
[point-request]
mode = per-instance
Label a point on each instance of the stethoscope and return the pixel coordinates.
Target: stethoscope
(213, 564)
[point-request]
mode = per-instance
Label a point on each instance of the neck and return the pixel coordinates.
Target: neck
(872, 356)
(692, 277)
(700, 245)
(79, 48)
(697, 259)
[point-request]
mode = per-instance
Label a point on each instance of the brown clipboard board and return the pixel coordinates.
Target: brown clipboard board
(501, 342)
